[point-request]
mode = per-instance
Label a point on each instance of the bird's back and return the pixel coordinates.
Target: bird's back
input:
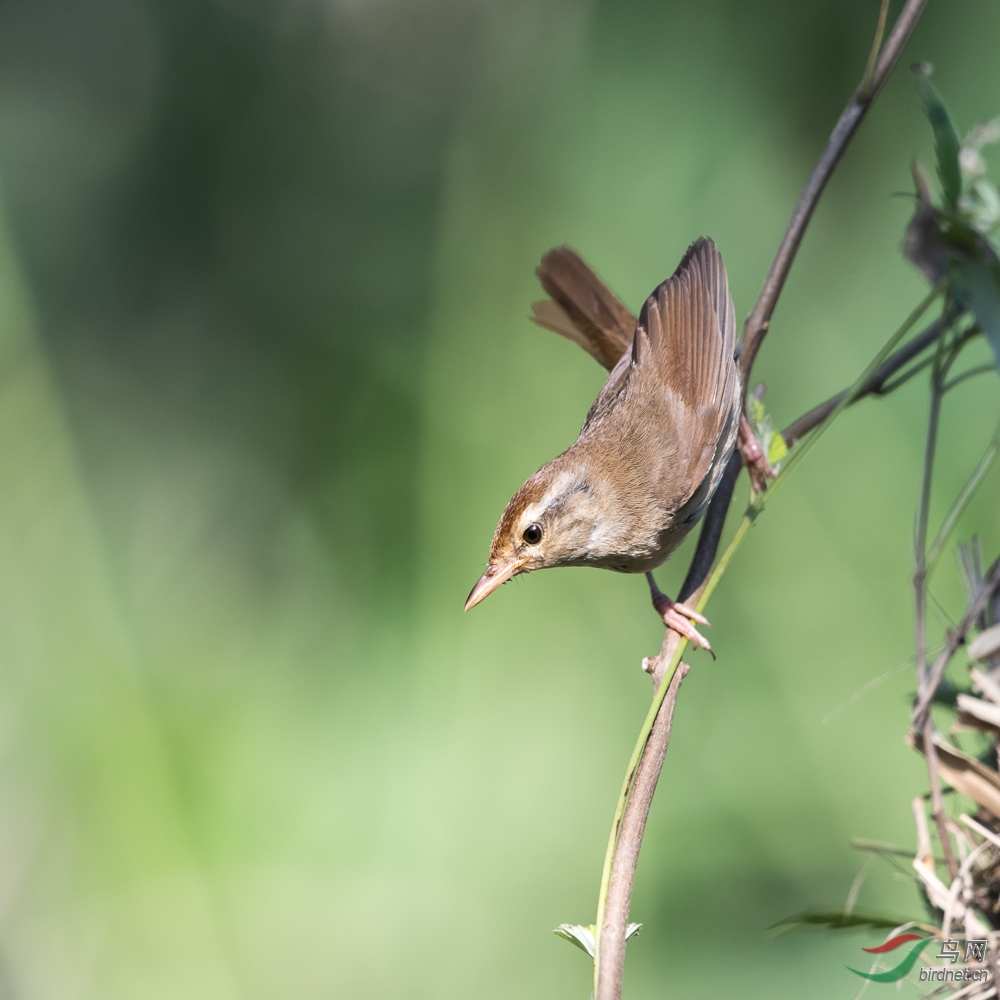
(666, 420)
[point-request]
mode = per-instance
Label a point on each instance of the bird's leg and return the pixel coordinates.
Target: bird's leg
(679, 616)
(758, 467)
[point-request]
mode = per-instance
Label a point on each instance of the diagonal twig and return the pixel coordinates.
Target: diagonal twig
(875, 386)
(938, 377)
(756, 326)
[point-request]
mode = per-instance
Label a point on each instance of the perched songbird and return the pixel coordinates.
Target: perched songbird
(655, 442)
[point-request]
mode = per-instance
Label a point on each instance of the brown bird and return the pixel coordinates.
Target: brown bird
(655, 442)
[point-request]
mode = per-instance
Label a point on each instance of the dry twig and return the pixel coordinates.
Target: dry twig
(759, 320)
(941, 363)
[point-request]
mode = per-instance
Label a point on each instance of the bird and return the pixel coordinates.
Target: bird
(654, 443)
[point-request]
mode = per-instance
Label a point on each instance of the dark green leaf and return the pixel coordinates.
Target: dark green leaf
(977, 287)
(837, 920)
(945, 137)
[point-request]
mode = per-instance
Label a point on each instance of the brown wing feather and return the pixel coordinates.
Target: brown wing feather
(681, 374)
(689, 323)
(582, 308)
(689, 328)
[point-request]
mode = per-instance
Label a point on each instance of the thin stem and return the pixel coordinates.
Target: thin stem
(971, 373)
(848, 397)
(963, 498)
(633, 825)
(661, 691)
(759, 320)
(937, 804)
(877, 385)
(923, 513)
(910, 373)
(609, 854)
(866, 82)
(711, 529)
(943, 358)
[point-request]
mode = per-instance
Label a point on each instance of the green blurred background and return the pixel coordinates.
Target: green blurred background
(266, 383)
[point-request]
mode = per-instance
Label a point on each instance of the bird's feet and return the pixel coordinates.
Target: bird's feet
(758, 467)
(679, 617)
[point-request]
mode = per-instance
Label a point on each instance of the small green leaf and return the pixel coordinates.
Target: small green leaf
(777, 449)
(977, 287)
(946, 141)
(583, 937)
(772, 443)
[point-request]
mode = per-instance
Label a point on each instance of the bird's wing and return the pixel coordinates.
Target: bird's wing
(582, 308)
(679, 387)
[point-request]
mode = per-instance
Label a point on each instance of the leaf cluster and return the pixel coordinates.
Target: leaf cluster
(948, 237)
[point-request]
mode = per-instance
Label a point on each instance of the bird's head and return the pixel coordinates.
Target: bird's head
(554, 519)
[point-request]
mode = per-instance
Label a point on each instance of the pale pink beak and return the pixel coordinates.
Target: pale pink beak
(490, 580)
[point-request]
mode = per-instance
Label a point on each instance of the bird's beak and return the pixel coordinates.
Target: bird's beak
(490, 580)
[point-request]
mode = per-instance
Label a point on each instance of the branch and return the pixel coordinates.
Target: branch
(941, 365)
(711, 532)
(756, 326)
(937, 803)
(873, 387)
(877, 385)
(963, 498)
(634, 822)
(609, 952)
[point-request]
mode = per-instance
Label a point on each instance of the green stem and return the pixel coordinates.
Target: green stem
(961, 500)
(866, 83)
(896, 383)
(849, 397)
(647, 726)
(971, 373)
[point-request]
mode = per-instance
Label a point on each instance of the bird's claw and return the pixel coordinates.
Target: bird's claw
(679, 617)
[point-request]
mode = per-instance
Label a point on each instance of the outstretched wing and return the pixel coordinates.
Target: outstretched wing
(680, 384)
(582, 308)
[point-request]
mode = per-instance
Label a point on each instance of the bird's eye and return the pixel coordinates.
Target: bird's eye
(532, 534)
